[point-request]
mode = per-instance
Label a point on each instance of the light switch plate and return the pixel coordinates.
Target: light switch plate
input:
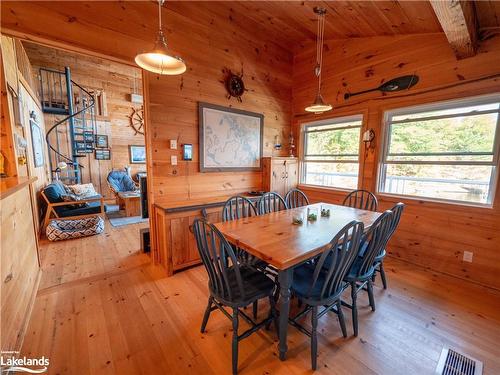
(173, 160)
(173, 144)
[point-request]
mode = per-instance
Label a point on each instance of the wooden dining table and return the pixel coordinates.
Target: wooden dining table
(276, 240)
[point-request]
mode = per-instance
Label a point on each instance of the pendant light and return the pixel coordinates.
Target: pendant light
(160, 60)
(319, 105)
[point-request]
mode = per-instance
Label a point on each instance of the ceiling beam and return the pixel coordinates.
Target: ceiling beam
(458, 20)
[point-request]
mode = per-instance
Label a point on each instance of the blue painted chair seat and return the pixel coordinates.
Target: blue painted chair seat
(255, 284)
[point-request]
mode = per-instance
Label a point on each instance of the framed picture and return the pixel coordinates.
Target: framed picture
(17, 105)
(36, 141)
(137, 154)
(88, 136)
(230, 139)
(102, 154)
(101, 141)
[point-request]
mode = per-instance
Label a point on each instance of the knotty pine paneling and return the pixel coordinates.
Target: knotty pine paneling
(117, 81)
(174, 108)
(430, 234)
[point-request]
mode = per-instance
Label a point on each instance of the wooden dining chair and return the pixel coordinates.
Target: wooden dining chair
(361, 273)
(397, 210)
(362, 199)
(296, 198)
(239, 207)
(271, 202)
(319, 286)
(231, 284)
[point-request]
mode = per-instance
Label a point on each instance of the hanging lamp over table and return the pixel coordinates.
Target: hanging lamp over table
(319, 105)
(160, 60)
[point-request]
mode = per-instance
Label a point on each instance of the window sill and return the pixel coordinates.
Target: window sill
(324, 188)
(436, 201)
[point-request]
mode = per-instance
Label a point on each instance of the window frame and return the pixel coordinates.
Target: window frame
(325, 122)
(433, 106)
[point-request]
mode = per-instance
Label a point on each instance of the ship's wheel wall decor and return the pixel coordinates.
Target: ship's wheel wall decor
(137, 120)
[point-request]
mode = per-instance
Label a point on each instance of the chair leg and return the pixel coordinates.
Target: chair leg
(255, 308)
(314, 338)
(340, 314)
(382, 275)
(369, 287)
(354, 308)
(272, 314)
(207, 315)
(235, 341)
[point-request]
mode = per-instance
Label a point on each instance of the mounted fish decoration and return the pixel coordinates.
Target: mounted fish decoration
(396, 84)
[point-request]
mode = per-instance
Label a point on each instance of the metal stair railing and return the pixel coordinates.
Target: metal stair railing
(78, 126)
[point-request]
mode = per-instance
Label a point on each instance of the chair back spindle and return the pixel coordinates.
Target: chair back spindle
(375, 240)
(219, 260)
(362, 199)
(341, 253)
(296, 198)
(238, 207)
(271, 202)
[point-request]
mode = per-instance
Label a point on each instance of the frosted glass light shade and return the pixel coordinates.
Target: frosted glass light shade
(160, 60)
(157, 61)
(319, 106)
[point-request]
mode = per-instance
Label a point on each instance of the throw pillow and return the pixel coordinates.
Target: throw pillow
(83, 190)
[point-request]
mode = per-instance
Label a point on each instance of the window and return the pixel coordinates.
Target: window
(331, 152)
(444, 151)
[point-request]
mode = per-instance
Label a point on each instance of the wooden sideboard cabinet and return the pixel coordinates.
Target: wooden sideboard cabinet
(175, 241)
(280, 174)
(175, 246)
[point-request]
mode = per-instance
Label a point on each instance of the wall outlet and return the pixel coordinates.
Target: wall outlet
(173, 144)
(468, 256)
(173, 160)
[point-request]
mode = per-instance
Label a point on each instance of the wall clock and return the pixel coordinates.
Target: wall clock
(234, 84)
(137, 120)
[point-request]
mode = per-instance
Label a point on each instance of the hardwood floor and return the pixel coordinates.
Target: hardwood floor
(103, 309)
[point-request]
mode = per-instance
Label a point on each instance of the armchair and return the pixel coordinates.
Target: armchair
(57, 207)
(119, 182)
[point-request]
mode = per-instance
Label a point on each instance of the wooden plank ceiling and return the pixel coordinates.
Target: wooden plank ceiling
(288, 25)
(294, 22)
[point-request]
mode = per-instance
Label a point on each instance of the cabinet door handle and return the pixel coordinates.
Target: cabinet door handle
(191, 229)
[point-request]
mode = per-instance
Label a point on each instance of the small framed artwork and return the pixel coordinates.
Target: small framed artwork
(102, 154)
(137, 154)
(101, 141)
(187, 152)
(88, 136)
(37, 140)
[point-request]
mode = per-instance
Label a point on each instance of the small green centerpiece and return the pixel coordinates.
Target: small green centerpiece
(325, 212)
(297, 220)
(312, 217)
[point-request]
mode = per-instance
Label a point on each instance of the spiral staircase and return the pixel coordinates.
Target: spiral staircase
(71, 137)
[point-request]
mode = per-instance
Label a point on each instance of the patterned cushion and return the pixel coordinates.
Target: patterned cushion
(83, 190)
(74, 198)
(58, 230)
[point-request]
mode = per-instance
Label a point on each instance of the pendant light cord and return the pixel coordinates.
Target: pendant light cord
(319, 46)
(160, 3)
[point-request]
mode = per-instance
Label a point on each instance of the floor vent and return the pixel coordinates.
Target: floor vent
(455, 363)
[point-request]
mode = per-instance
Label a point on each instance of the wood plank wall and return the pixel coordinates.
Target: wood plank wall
(118, 82)
(431, 234)
(215, 43)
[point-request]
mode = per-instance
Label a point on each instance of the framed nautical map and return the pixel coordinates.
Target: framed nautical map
(230, 139)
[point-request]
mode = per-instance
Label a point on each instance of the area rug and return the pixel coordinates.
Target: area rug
(117, 217)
